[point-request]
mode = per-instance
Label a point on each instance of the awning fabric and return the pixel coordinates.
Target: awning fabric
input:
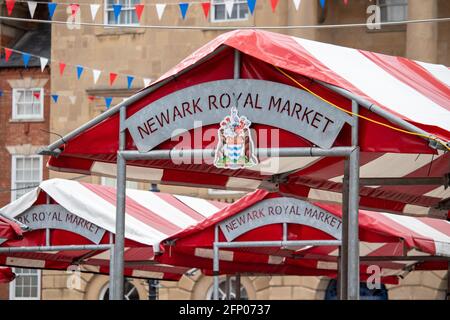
(6, 275)
(150, 218)
(414, 91)
(9, 229)
(381, 235)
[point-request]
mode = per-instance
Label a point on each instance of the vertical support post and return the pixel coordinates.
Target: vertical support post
(47, 230)
(237, 64)
(216, 264)
(111, 267)
(448, 281)
(237, 284)
(353, 212)
(118, 280)
(228, 287)
(343, 266)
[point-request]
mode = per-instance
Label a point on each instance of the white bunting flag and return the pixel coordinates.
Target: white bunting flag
(96, 74)
(147, 82)
(229, 7)
(44, 62)
(160, 7)
(297, 4)
(94, 9)
(32, 7)
(73, 99)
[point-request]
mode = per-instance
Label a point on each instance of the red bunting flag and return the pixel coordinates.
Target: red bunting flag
(8, 53)
(92, 98)
(112, 78)
(74, 7)
(10, 6)
(37, 95)
(346, 2)
(139, 8)
(206, 6)
(274, 4)
(62, 66)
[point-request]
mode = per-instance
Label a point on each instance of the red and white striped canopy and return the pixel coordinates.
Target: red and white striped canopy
(151, 217)
(9, 229)
(6, 275)
(381, 235)
(414, 91)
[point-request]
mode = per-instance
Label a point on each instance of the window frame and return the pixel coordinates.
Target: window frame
(14, 158)
(227, 19)
(106, 10)
(382, 4)
(12, 287)
(16, 116)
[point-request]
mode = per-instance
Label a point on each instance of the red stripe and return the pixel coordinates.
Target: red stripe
(135, 210)
(413, 75)
(173, 201)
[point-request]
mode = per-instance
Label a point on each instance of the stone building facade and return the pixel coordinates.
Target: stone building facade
(148, 53)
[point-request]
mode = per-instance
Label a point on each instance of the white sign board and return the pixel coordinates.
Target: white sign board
(281, 210)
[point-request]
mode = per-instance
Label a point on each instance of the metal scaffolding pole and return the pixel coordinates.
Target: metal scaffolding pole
(343, 262)
(216, 264)
(353, 210)
(118, 280)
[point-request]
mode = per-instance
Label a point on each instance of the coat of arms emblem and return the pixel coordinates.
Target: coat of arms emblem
(235, 149)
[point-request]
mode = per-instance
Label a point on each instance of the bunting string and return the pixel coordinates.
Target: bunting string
(79, 69)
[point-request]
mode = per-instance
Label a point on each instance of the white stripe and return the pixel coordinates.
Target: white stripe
(148, 274)
(442, 241)
(95, 209)
(327, 265)
(242, 184)
(367, 248)
(440, 72)
(160, 207)
(209, 254)
(325, 196)
(378, 84)
(415, 210)
(202, 206)
(133, 172)
(275, 165)
(275, 260)
(19, 262)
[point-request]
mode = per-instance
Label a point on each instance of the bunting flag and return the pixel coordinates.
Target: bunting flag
(206, 6)
(297, 4)
(62, 66)
(44, 62)
(251, 5)
(274, 4)
(139, 8)
(79, 71)
(108, 101)
(51, 9)
(117, 9)
(322, 3)
(184, 6)
(37, 95)
(229, 4)
(26, 59)
(96, 75)
(10, 6)
(73, 99)
(129, 81)
(346, 2)
(74, 7)
(8, 53)
(32, 8)
(55, 97)
(91, 98)
(94, 10)
(160, 7)
(112, 78)
(1, 93)
(147, 82)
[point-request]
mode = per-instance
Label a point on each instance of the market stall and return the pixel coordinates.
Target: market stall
(254, 109)
(273, 233)
(72, 224)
